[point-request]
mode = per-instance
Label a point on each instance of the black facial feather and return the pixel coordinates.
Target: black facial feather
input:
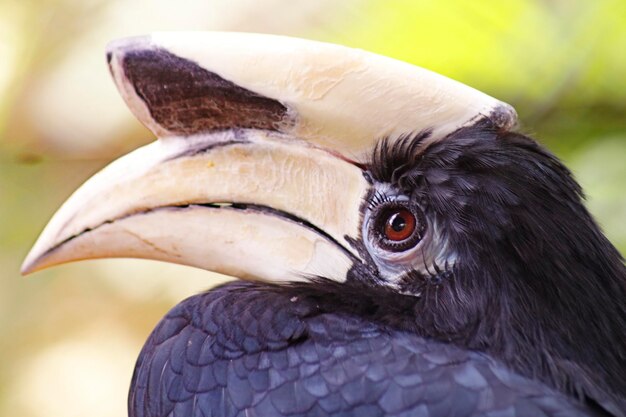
(536, 283)
(391, 159)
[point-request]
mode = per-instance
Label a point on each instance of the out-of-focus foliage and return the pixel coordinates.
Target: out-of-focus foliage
(528, 52)
(70, 335)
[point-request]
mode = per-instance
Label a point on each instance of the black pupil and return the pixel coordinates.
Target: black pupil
(397, 222)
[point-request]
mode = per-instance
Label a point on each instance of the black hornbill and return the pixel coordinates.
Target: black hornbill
(405, 252)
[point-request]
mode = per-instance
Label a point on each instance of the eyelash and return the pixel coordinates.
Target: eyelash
(378, 199)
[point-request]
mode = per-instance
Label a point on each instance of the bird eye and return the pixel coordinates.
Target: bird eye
(397, 227)
(400, 225)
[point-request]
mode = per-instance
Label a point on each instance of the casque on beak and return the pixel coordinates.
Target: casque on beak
(247, 177)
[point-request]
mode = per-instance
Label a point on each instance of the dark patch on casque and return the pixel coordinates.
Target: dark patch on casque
(185, 98)
(109, 57)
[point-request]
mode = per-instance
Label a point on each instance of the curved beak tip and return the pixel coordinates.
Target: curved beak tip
(27, 267)
(32, 263)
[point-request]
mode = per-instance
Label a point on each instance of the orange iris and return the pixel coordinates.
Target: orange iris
(400, 225)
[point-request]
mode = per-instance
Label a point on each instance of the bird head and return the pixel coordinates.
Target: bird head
(262, 168)
(290, 161)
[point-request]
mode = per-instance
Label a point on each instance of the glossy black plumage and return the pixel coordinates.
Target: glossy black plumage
(529, 321)
(538, 285)
(250, 350)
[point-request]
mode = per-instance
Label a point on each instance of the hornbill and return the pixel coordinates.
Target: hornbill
(404, 251)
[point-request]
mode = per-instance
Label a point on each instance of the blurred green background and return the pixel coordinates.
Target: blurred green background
(69, 336)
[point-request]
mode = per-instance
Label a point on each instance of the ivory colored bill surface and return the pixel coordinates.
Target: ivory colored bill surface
(337, 97)
(237, 182)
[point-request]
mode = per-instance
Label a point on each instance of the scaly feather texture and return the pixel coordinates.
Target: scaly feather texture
(250, 350)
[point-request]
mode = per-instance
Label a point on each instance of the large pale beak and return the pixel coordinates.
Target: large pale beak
(250, 204)
(247, 176)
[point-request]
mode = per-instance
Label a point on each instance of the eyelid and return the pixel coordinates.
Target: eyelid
(381, 197)
(387, 194)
